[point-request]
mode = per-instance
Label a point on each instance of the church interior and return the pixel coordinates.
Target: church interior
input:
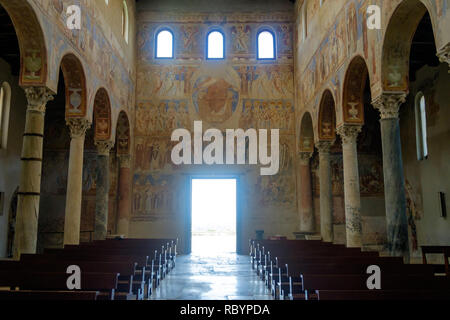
(92, 93)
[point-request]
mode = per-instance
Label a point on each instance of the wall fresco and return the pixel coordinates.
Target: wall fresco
(239, 92)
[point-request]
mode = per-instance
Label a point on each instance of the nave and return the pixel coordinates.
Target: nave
(211, 277)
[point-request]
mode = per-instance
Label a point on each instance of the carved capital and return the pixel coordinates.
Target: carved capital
(349, 133)
(104, 147)
(388, 103)
(324, 146)
(77, 126)
(304, 158)
(444, 54)
(125, 161)
(37, 98)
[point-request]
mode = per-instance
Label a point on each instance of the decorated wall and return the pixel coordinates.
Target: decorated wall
(237, 92)
(329, 35)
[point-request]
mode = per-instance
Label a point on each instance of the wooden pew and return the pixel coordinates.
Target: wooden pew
(382, 295)
(41, 295)
(280, 281)
(311, 283)
(159, 261)
(444, 250)
(105, 284)
(126, 270)
(143, 269)
(295, 271)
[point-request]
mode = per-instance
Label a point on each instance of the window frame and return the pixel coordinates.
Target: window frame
(266, 29)
(125, 21)
(223, 40)
(156, 44)
(421, 131)
(5, 112)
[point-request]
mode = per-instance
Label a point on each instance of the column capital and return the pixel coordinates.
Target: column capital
(444, 54)
(388, 103)
(304, 157)
(77, 126)
(349, 132)
(38, 97)
(324, 146)
(125, 161)
(104, 147)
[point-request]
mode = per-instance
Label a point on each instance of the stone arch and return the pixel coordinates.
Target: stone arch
(327, 117)
(75, 86)
(353, 91)
(306, 133)
(397, 44)
(33, 52)
(102, 115)
(123, 133)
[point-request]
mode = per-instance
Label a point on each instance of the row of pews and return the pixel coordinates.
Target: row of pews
(112, 269)
(316, 270)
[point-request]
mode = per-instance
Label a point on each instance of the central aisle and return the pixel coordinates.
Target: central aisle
(226, 277)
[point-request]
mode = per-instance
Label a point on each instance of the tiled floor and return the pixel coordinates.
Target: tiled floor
(227, 277)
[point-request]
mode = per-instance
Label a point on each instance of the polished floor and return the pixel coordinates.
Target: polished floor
(200, 277)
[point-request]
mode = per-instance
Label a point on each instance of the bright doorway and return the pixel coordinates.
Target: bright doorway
(213, 216)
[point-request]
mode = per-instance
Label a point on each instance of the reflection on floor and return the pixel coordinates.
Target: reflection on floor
(227, 277)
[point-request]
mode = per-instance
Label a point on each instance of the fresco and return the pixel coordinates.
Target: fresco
(215, 100)
(236, 93)
(102, 57)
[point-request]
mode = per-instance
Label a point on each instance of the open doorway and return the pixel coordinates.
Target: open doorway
(213, 216)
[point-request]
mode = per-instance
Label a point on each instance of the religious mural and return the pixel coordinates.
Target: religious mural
(238, 93)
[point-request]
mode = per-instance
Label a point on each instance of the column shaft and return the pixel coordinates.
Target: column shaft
(124, 205)
(394, 185)
(326, 195)
(102, 190)
(394, 181)
(306, 211)
(30, 176)
(72, 220)
(351, 185)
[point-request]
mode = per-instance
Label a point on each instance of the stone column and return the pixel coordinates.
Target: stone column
(444, 54)
(102, 189)
(78, 127)
(305, 193)
(349, 135)
(326, 195)
(124, 205)
(394, 183)
(30, 176)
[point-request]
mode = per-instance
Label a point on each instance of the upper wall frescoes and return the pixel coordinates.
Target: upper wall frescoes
(104, 58)
(32, 42)
(239, 91)
(323, 58)
(75, 91)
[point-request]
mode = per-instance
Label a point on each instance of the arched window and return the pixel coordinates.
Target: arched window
(5, 99)
(421, 127)
(215, 45)
(164, 44)
(125, 21)
(266, 45)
